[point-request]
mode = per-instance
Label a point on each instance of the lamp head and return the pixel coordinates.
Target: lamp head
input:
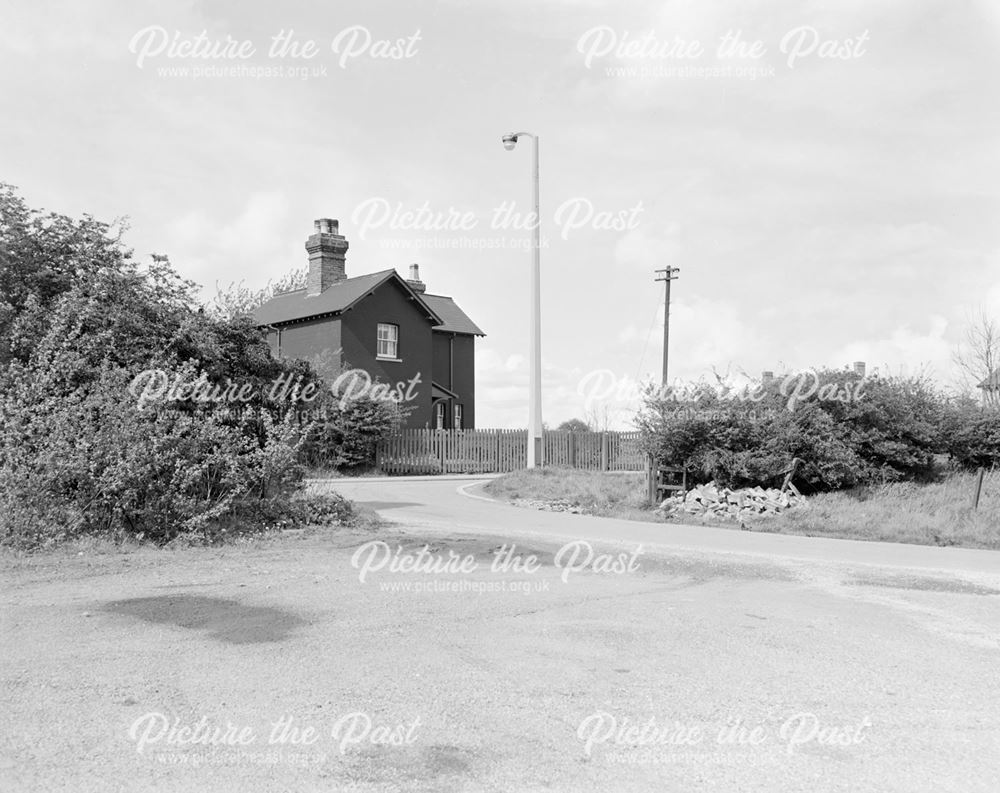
(509, 141)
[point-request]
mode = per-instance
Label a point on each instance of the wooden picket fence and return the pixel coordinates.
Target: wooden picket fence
(499, 451)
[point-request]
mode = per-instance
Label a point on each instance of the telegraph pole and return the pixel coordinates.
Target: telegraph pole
(667, 275)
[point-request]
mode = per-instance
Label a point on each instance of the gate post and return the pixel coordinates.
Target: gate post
(650, 480)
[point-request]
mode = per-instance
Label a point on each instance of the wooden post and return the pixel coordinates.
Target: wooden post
(650, 480)
(979, 488)
(572, 450)
(604, 451)
(790, 475)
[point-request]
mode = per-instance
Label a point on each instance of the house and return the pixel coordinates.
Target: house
(422, 345)
(990, 388)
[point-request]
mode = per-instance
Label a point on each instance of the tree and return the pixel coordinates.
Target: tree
(80, 320)
(978, 357)
(42, 255)
(574, 425)
(238, 300)
(600, 417)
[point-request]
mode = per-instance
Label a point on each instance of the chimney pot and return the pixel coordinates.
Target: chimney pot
(414, 280)
(859, 368)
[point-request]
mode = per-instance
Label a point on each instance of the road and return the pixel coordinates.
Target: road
(709, 660)
(458, 503)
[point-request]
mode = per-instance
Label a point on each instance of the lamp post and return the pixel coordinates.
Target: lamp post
(536, 449)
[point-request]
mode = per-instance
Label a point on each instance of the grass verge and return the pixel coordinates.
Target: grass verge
(921, 514)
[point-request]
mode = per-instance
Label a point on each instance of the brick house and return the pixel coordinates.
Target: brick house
(990, 388)
(391, 328)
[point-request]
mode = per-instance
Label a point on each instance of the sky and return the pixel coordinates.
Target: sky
(825, 175)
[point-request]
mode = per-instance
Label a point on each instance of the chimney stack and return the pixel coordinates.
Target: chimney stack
(766, 377)
(414, 280)
(327, 250)
(859, 368)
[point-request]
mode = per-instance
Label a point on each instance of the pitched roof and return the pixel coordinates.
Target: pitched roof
(991, 383)
(290, 306)
(440, 392)
(295, 305)
(454, 319)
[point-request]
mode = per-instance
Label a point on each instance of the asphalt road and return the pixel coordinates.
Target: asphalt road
(712, 660)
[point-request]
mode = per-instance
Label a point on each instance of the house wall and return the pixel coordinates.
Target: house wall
(455, 369)
(442, 359)
(465, 377)
(359, 341)
(314, 340)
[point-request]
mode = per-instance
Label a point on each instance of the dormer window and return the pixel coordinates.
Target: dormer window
(388, 341)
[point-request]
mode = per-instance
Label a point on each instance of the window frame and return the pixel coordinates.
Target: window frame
(440, 412)
(457, 417)
(391, 342)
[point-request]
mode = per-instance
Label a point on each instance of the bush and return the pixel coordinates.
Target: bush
(860, 432)
(347, 435)
(88, 461)
(79, 319)
(323, 509)
(972, 435)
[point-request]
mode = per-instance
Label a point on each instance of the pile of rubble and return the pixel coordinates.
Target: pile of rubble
(711, 501)
(559, 505)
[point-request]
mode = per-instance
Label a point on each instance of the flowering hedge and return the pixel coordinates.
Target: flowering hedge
(79, 453)
(846, 430)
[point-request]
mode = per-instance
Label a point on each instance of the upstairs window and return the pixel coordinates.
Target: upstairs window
(388, 341)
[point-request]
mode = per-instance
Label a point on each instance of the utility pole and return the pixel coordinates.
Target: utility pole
(667, 275)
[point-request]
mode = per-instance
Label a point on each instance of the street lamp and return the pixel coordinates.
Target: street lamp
(536, 449)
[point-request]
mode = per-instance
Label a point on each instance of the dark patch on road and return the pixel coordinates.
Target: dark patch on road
(924, 583)
(224, 620)
(687, 570)
(445, 760)
(388, 504)
(483, 549)
(405, 765)
(699, 571)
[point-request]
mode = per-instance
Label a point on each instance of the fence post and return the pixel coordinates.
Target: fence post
(979, 488)
(650, 480)
(572, 450)
(604, 451)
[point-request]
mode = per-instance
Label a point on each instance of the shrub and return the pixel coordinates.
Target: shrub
(87, 461)
(78, 453)
(971, 435)
(876, 430)
(323, 509)
(349, 430)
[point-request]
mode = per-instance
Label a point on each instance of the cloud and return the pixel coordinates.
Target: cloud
(648, 250)
(254, 245)
(904, 350)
